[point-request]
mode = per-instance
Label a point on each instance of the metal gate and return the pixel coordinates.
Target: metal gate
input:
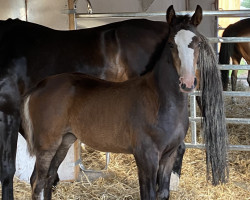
(193, 116)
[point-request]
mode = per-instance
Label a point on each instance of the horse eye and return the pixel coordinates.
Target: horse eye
(171, 45)
(199, 44)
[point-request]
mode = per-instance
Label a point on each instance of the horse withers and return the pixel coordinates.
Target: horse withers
(146, 116)
(235, 51)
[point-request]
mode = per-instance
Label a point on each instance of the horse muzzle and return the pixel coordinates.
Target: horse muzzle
(187, 86)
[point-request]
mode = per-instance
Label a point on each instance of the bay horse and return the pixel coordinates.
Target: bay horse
(235, 51)
(146, 116)
(29, 52)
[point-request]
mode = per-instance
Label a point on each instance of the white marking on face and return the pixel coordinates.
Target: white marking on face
(182, 39)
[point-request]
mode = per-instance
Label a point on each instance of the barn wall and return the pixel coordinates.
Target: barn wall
(48, 13)
(12, 9)
(121, 6)
(208, 25)
(52, 13)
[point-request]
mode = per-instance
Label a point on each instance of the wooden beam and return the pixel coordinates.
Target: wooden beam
(71, 16)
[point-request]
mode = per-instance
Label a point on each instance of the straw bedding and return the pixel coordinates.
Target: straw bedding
(120, 181)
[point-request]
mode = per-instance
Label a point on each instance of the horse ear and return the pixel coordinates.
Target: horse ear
(170, 14)
(197, 16)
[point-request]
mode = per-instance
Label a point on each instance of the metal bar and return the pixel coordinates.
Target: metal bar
(234, 67)
(193, 115)
(228, 120)
(226, 93)
(224, 13)
(236, 93)
(228, 39)
(230, 147)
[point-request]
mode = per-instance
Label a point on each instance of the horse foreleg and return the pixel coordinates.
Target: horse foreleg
(9, 125)
(147, 163)
(236, 61)
(164, 174)
(178, 162)
(61, 153)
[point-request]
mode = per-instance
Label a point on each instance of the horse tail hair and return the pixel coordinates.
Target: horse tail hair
(226, 51)
(27, 124)
(213, 117)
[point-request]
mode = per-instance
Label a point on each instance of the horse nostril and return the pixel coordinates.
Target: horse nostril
(183, 86)
(195, 82)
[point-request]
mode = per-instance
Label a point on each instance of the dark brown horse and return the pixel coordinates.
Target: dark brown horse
(236, 51)
(146, 116)
(30, 52)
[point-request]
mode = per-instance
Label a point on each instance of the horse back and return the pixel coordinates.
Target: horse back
(238, 29)
(83, 105)
(116, 52)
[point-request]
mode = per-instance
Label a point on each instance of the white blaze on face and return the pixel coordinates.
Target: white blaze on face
(182, 39)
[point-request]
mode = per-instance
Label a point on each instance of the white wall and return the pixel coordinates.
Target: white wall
(12, 9)
(52, 13)
(122, 6)
(48, 13)
(208, 24)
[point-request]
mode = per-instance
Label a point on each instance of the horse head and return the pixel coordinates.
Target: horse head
(184, 42)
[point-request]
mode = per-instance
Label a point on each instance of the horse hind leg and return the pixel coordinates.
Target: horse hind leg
(236, 61)
(9, 125)
(40, 173)
(67, 141)
(234, 79)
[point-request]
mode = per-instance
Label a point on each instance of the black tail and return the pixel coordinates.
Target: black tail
(214, 125)
(226, 51)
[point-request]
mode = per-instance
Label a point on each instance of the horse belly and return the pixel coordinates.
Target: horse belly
(104, 138)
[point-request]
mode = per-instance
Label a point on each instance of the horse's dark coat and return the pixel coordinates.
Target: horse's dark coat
(146, 116)
(236, 51)
(30, 52)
